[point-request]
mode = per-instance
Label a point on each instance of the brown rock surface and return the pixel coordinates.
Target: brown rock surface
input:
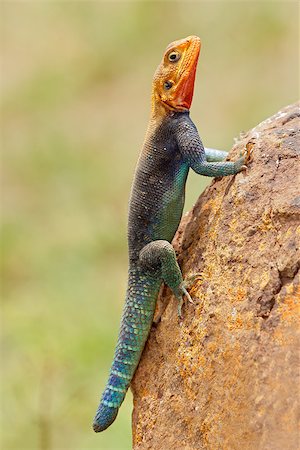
(227, 376)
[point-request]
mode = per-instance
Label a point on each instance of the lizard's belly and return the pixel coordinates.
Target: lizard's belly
(169, 218)
(170, 213)
(156, 203)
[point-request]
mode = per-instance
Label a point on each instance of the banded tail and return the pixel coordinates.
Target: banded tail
(135, 326)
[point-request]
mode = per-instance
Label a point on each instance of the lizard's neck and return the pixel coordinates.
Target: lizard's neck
(161, 111)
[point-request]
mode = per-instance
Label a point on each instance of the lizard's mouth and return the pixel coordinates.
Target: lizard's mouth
(183, 92)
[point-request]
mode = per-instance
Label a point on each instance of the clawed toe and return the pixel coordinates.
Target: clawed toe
(190, 280)
(249, 152)
(182, 290)
(185, 292)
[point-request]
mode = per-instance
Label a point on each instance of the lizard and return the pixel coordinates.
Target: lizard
(171, 148)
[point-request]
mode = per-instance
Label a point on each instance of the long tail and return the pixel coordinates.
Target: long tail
(135, 326)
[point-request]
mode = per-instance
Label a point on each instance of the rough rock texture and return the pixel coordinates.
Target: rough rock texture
(227, 376)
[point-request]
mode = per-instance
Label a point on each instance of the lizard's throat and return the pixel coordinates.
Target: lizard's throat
(186, 89)
(181, 98)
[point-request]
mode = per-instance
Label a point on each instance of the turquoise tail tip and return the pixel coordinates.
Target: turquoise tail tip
(104, 417)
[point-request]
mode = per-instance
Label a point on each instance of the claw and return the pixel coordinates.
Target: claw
(246, 156)
(190, 280)
(249, 152)
(184, 285)
(187, 295)
(183, 292)
(180, 302)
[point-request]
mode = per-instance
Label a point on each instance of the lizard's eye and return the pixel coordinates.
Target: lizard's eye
(168, 85)
(174, 56)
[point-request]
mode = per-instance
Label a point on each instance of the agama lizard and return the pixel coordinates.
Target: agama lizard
(172, 146)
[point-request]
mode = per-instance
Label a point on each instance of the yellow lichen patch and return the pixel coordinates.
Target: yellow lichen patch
(262, 247)
(213, 204)
(144, 392)
(233, 225)
(264, 280)
(289, 313)
(261, 279)
(240, 294)
(289, 308)
(212, 234)
(207, 206)
(191, 359)
(212, 347)
(138, 429)
(246, 275)
(187, 369)
(190, 362)
(238, 239)
(202, 228)
(210, 425)
(231, 352)
(236, 294)
(266, 221)
(207, 272)
(216, 203)
(290, 231)
(240, 321)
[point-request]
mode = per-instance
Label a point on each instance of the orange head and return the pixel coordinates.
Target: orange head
(173, 82)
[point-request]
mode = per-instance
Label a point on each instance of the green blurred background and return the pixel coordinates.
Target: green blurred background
(76, 79)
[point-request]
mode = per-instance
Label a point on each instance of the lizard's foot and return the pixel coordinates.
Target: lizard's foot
(247, 155)
(245, 158)
(190, 280)
(249, 152)
(184, 285)
(180, 299)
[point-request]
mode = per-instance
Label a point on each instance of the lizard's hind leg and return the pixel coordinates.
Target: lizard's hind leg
(159, 258)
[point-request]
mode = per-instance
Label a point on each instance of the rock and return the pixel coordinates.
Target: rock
(227, 375)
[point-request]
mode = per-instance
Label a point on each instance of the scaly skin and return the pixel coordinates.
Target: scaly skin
(172, 146)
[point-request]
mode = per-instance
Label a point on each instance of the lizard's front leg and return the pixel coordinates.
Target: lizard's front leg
(222, 168)
(206, 162)
(159, 257)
